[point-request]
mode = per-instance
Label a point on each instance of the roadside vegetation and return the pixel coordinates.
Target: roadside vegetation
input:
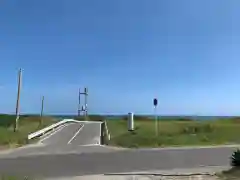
(27, 124)
(9, 177)
(234, 172)
(89, 118)
(174, 132)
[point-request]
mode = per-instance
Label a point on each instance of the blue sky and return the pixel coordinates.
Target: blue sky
(186, 53)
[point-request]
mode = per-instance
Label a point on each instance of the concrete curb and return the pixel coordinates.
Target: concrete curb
(209, 170)
(178, 147)
(199, 173)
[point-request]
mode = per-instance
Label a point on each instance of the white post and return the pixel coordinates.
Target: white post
(130, 122)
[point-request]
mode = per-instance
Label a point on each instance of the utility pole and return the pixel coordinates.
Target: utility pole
(18, 99)
(41, 115)
(83, 108)
(86, 108)
(79, 102)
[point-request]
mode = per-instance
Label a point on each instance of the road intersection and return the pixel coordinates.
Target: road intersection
(75, 150)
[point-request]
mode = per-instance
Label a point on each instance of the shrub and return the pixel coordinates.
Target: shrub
(201, 128)
(183, 119)
(90, 118)
(235, 159)
(6, 120)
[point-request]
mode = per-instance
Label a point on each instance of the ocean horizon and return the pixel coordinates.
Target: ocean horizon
(118, 116)
(165, 117)
(159, 117)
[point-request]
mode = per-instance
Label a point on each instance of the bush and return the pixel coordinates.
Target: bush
(183, 119)
(7, 120)
(90, 118)
(235, 159)
(194, 129)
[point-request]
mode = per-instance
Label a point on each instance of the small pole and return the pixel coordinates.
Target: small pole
(79, 103)
(155, 102)
(156, 120)
(41, 115)
(18, 99)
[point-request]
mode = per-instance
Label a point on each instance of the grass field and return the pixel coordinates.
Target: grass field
(27, 124)
(181, 132)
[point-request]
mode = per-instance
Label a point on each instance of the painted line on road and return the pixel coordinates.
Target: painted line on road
(69, 142)
(51, 131)
(50, 134)
(54, 132)
(90, 145)
(106, 146)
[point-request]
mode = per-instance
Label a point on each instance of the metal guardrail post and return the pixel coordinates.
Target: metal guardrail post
(106, 134)
(102, 134)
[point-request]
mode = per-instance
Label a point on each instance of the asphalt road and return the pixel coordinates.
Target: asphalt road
(67, 165)
(73, 150)
(70, 138)
(62, 135)
(75, 134)
(89, 134)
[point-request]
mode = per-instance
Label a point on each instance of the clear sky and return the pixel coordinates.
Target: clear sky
(186, 53)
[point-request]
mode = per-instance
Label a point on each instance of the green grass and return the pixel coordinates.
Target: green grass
(9, 177)
(180, 132)
(27, 124)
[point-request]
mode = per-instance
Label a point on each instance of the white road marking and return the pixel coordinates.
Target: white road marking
(69, 142)
(90, 145)
(54, 132)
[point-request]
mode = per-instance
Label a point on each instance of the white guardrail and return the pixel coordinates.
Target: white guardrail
(46, 129)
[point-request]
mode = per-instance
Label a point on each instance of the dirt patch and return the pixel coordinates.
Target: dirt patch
(165, 177)
(2, 147)
(194, 177)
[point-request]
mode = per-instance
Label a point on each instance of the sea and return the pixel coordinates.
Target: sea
(159, 117)
(197, 118)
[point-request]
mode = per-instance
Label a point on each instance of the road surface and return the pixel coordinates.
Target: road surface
(69, 138)
(73, 150)
(75, 134)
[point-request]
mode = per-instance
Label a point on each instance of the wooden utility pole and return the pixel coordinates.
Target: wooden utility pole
(18, 99)
(41, 115)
